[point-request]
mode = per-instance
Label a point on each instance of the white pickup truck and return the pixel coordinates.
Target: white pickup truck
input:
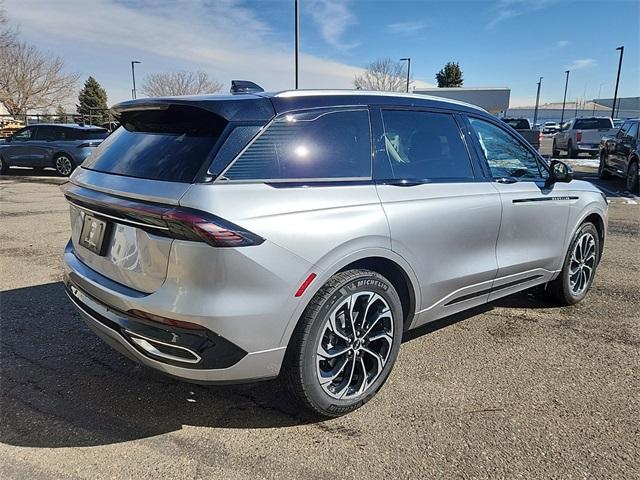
(582, 135)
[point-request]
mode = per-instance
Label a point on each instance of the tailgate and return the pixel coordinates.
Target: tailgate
(131, 256)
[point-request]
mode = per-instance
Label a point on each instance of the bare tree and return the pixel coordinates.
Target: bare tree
(179, 83)
(383, 75)
(7, 34)
(30, 79)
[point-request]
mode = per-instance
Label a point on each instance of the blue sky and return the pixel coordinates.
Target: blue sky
(497, 43)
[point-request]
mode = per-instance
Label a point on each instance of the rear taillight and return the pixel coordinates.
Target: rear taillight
(172, 221)
(578, 136)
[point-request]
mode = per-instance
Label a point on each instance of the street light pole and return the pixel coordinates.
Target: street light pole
(615, 93)
(564, 101)
(133, 77)
(408, 60)
(297, 40)
(535, 112)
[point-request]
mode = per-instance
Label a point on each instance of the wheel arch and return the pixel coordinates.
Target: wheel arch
(384, 261)
(599, 222)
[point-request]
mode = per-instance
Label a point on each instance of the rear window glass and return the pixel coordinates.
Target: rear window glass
(309, 145)
(170, 144)
(517, 123)
(592, 123)
(88, 134)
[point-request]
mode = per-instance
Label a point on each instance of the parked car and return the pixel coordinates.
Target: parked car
(238, 238)
(524, 128)
(619, 155)
(582, 135)
(550, 127)
(61, 146)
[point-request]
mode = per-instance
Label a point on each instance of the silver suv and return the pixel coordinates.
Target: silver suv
(300, 234)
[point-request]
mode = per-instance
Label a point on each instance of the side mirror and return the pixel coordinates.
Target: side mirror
(560, 172)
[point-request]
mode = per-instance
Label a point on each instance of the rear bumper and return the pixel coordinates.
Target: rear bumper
(588, 147)
(230, 347)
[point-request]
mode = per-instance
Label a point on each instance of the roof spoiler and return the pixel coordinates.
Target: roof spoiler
(244, 86)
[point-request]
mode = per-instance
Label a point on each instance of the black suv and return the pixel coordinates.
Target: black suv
(619, 155)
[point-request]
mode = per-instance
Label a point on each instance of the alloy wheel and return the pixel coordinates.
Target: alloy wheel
(63, 165)
(355, 345)
(583, 262)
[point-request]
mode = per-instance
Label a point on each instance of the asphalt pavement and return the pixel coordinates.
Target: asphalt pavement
(517, 389)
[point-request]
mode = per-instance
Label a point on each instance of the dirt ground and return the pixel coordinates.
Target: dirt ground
(519, 389)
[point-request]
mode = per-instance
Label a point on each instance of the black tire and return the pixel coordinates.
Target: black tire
(561, 288)
(4, 167)
(603, 173)
(64, 164)
(571, 153)
(555, 153)
(632, 177)
(302, 361)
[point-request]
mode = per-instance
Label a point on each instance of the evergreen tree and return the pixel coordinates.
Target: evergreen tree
(92, 97)
(61, 116)
(450, 76)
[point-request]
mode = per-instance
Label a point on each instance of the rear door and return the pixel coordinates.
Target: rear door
(535, 213)
(625, 144)
(443, 216)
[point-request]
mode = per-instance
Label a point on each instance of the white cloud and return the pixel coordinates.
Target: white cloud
(581, 63)
(333, 18)
(223, 38)
(411, 27)
(508, 9)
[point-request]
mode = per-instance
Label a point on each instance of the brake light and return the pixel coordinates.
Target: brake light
(176, 222)
(578, 136)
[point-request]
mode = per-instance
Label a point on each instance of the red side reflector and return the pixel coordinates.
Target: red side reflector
(305, 284)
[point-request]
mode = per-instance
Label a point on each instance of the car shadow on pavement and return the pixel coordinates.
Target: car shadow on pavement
(61, 386)
(32, 175)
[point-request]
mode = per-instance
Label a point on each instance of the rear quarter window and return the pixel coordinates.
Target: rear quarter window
(311, 145)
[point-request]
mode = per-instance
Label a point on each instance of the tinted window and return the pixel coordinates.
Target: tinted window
(623, 129)
(87, 134)
(517, 123)
(592, 123)
(47, 133)
(309, 145)
(169, 144)
(23, 135)
(425, 145)
(633, 130)
(506, 156)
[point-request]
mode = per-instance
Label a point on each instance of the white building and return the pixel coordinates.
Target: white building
(492, 99)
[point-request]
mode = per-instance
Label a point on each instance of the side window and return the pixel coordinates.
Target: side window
(309, 145)
(47, 133)
(24, 135)
(623, 130)
(506, 156)
(425, 145)
(632, 133)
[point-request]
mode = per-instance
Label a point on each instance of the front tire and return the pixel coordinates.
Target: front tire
(632, 177)
(4, 167)
(603, 173)
(64, 165)
(579, 267)
(571, 153)
(345, 344)
(555, 153)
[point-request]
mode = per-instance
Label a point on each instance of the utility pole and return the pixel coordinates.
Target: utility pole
(133, 77)
(564, 101)
(408, 60)
(535, 112)
(297, 41)
(615, 93)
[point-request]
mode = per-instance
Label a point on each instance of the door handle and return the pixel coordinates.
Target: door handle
(505, 180)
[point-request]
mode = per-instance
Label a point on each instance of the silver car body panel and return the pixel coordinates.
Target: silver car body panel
(460, 244)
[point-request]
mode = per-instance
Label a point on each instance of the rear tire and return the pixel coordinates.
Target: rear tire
(64, 164)
(603, 173)
(571, 153)
(632, 177)
(579, 267)
(345, 344)
(555, 153)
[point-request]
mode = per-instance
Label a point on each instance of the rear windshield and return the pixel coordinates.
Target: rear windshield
(592, 123)
(170, 144)
(517, 123)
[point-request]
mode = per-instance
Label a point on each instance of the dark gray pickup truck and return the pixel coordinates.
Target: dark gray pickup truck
(523, 127)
